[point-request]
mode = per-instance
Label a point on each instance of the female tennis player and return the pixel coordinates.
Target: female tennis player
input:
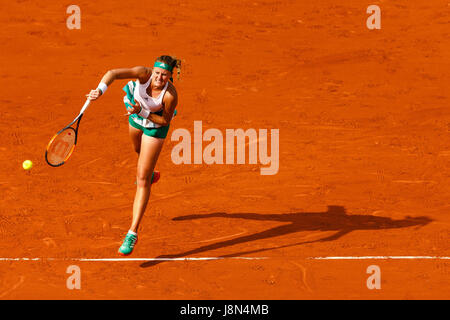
(151, 102)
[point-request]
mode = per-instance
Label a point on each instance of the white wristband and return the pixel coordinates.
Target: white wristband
(144, 113)
(102, 87)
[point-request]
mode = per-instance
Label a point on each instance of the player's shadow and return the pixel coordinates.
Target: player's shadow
(334, 219)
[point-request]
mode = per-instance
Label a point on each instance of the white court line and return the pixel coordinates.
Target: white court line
(131, 259)
(223, 258)
(382, 258)
(173, 259)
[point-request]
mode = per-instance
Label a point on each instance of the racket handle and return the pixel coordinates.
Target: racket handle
(86, 104)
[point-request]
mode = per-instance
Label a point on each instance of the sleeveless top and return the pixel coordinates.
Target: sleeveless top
(154, 105)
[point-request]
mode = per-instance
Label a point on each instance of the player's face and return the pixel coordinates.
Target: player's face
(160, 77)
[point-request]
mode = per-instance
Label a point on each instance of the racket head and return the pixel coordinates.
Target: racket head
(60, 147)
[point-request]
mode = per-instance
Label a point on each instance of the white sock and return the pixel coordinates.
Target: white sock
(132, 232)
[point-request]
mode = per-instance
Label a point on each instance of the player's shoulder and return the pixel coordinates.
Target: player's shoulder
(171, 90)
(143, 73)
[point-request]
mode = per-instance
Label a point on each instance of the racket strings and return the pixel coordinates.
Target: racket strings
(61, 147)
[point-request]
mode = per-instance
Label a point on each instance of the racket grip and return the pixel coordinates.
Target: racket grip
(86, 105)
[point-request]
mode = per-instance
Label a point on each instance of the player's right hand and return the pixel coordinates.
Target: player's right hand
(94, 94)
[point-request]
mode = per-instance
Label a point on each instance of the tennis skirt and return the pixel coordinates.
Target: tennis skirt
(160, 132)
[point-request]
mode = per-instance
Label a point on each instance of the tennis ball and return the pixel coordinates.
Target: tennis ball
(27, 164)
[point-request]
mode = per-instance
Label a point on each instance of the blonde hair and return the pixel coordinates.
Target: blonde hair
(173, 62)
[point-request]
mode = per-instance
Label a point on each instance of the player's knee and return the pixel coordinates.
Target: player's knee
(142, 180)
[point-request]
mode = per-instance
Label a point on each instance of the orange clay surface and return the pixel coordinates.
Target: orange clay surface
(364, 150)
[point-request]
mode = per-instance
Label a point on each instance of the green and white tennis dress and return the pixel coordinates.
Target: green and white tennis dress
(135, 91)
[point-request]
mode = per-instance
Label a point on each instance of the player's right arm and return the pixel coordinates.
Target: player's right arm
(140, 72)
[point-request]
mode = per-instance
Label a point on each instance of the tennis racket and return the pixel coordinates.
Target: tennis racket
(61, 146)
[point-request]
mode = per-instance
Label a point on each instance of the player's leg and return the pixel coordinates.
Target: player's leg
(148, 156)
(150, 150)
(136, 138)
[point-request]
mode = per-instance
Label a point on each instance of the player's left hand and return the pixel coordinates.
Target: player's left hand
(136, 108)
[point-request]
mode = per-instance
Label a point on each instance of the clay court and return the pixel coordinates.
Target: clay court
(364, 151)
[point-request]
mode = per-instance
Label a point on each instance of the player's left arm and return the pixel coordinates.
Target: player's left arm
(170, 102)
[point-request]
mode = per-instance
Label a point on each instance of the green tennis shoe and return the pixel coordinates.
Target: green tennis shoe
(128, 244)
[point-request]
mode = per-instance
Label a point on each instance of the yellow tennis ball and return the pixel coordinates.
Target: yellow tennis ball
(27, 164)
